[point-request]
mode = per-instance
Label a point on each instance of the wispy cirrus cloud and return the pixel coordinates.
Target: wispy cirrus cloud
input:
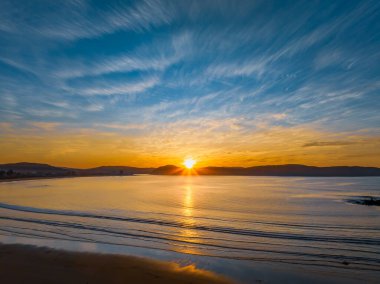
(122, 63)
(121, 89)
(46, 126)
(245, 68)
(77, 19)
(328, 143)
(157, 56)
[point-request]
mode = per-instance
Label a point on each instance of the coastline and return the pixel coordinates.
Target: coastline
(34, 178)
(45, 265)
(56, 177)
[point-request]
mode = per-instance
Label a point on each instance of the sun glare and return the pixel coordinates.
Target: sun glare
(189, 163)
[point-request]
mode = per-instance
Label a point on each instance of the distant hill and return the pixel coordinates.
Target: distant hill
(33, 168)
(21, 170)
(116, 170)
(167, 170)
(275, 170)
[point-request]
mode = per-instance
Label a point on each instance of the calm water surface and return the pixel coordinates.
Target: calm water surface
(273, 229)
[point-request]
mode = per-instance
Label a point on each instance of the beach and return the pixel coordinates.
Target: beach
(29, 264)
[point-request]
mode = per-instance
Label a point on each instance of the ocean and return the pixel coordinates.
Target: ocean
(270, 229)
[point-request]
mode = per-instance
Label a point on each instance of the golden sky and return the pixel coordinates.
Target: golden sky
(216, 143)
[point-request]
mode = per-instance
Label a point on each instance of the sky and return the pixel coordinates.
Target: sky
(229, 83)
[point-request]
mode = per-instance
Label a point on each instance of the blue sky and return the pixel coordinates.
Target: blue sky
(228, 82)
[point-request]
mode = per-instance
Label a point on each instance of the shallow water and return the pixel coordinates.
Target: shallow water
(250, 228)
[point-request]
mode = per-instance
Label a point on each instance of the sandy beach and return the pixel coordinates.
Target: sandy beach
(28, 264)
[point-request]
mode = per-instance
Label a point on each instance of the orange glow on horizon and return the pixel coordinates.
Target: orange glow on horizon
(89, 148)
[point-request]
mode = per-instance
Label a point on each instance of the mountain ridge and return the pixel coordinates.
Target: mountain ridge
(40, 169)
(274, 170)
(24, 169)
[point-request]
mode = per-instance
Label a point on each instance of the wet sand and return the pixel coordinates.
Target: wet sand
(28, 264)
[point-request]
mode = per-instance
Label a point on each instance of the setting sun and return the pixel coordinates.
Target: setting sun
(189, 163)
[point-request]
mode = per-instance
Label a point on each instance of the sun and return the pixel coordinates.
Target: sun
(189, 163)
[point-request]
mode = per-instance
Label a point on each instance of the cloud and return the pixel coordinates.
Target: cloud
(124, 63)
(328, 143)
(50, 113)
(157, 56)
(47, 126)
(77, 19)
(123, 127)
(279, 116)
(329, 58)
(122, 89)
(252, 67)
(94, 107)
(6, 126)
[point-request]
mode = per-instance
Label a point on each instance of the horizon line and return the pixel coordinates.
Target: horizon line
(167, 165)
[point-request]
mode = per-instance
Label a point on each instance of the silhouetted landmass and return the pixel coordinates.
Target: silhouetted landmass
(28, 170)
(22, 170)
(277, 170)
(32, 167)
(168, 170)
(365, 200)
(116, 170)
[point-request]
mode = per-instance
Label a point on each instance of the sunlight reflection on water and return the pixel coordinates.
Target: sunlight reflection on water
(302, 222)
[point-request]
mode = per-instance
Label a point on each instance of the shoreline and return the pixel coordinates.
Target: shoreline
(34, 178)
(32, 264)
(57, 177)
(67, 177)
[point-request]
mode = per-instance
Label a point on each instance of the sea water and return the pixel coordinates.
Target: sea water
(276, 229)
